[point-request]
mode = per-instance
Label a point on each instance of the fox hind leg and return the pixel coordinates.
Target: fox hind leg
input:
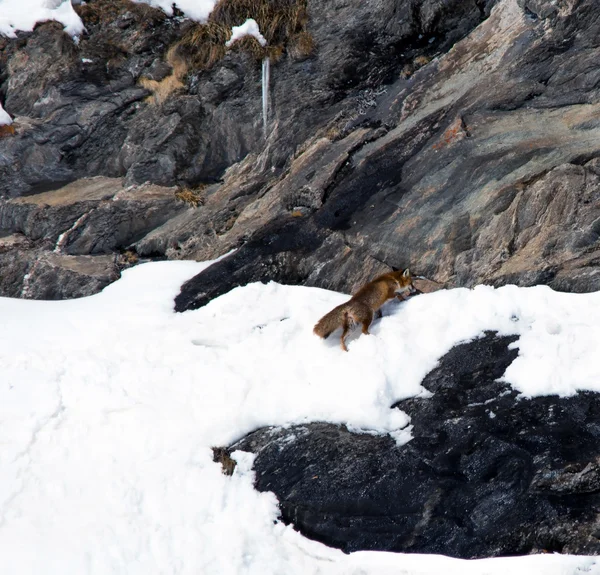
(346, 326)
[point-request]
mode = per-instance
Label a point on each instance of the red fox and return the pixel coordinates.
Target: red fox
(364, 303)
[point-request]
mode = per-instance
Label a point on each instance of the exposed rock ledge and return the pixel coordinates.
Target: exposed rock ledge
(486, 474)
(72, 241)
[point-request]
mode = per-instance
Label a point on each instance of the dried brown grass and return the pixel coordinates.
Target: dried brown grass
(249, 45)
(278, 20)
(162, 89)
(129, 258)
(203, 45)
(302, 46)
(7, 130)
(222, 455)
(192, 196)
(281, 22)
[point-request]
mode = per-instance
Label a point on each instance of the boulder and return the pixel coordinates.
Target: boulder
(486, 474)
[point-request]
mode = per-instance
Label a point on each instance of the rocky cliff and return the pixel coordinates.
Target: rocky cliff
(456, 137)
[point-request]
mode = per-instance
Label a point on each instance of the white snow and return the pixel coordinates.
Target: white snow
(194, 9)
(5, 119)
(24, 14)
(248, 28)
(109, 406)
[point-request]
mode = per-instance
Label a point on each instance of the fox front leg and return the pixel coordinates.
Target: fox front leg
(366, 322)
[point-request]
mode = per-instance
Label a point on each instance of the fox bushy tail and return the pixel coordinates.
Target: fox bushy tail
(331, 321)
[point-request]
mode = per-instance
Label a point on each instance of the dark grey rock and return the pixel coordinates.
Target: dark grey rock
(52, 276)
(90, 216)
(43, 232)
(457, 138)
(486, 474)
(482, 166)
(108, 127)
(36, 273)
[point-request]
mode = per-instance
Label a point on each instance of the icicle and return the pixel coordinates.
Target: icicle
(266, 71)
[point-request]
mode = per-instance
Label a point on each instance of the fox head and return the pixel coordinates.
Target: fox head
(404, 281)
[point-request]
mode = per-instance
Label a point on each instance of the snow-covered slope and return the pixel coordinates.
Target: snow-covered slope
(109, 407)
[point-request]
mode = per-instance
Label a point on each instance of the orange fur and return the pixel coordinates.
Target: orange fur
(364, 303)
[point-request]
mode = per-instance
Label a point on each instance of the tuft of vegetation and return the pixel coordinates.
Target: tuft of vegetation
(193, 197)
(128, 258)
(249, 45)
(409, 69)
(165, 87)
(222, 455)
(302, 46)
(334, 132)
(281, 22)
(7, 130)
(204, 44)
(278, 20)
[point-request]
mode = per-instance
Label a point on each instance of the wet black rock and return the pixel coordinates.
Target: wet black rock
(487, 473)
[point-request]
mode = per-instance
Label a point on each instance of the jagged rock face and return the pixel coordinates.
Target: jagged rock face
(93, 108)
(479, 167)
(72, 241)
(486, 474)
(458, 138)
(82, 109)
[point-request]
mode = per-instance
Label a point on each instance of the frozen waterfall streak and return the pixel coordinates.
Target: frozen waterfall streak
(62, 239)
(266, 73)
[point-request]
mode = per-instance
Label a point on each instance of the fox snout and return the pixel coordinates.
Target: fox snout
(408, 289)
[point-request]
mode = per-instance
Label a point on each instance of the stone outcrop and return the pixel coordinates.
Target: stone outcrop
(486, 474)
(73, 241)
(463, 142)
(479, 167)
(125, 103)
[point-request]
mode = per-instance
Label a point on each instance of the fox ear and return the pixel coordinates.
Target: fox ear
(406, 273)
